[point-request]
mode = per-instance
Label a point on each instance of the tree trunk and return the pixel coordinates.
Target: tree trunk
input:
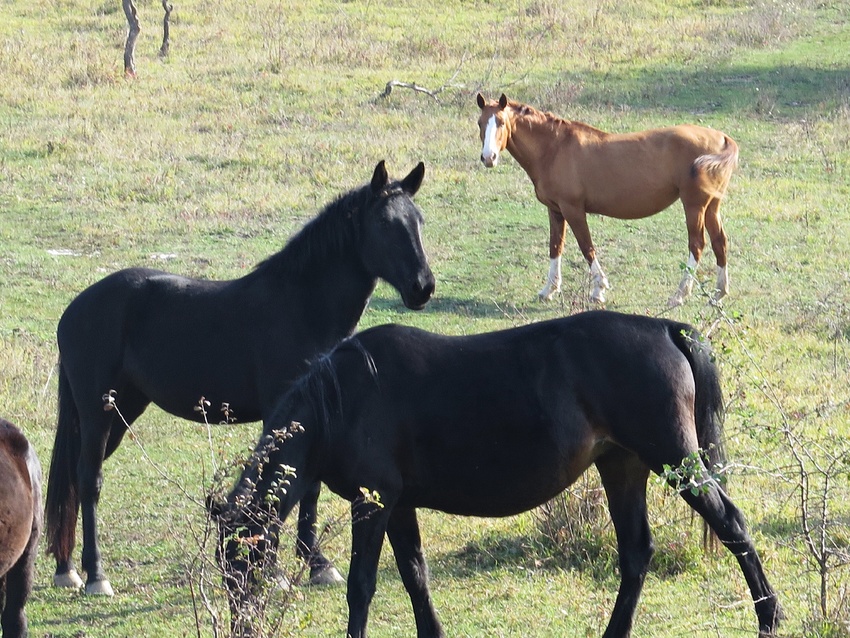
(132, 36)
(166, 41)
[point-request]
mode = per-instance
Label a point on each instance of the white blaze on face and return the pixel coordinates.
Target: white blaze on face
(490, 149)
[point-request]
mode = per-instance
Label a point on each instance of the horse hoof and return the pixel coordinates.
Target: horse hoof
(69, 580)
(99, 588)
(326, 576)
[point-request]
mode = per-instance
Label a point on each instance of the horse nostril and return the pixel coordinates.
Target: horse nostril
(429, 287)
(422, 289)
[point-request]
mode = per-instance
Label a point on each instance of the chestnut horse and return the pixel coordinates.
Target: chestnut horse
(20, 526)
(491, 424)
(577, 169)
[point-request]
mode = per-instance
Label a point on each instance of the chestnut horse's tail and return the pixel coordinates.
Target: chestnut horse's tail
(63, 500)
(718, 166)
(708, 404)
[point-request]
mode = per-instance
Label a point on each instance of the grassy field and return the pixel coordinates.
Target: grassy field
(211, 158)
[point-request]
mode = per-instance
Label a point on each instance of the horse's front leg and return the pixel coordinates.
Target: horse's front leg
(624, 478)
(557, 231)
(577, 219)
(369, 524)
(322, 571)
(403, 532)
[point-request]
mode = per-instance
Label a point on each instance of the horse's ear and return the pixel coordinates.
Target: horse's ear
(481, 101)
(503, 101)
(413, 181)
(379, 178)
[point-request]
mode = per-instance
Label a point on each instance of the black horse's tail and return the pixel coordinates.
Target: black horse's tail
(708, 402)
(63, 500)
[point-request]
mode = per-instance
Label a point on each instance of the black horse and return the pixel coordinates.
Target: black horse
(491, 425)
(156, 337)
(20, 526)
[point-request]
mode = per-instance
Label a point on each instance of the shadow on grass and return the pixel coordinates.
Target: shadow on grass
(785, 91)
(791, 89)
(454, 306)
(522, 552)
(75, 613)
(594, 555)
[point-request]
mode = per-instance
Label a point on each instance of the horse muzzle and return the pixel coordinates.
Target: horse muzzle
(420, 292)
(490, 160)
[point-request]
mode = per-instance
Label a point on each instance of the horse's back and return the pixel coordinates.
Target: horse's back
(597, 331)
(157, 332)
(105, 303)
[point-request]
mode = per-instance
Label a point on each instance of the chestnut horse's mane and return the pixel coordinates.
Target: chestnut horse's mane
(555, 121)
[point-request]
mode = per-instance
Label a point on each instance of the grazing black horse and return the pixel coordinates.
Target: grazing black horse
(20, 526)
(492, 425)
(156, 337)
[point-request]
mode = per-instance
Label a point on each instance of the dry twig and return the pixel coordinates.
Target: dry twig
(421, 89)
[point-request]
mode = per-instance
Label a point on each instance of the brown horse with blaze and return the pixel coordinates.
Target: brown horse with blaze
(578, 169)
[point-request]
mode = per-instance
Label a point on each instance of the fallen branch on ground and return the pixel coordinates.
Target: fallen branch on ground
(421, 89)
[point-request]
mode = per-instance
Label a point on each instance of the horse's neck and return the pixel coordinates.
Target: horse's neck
(346, 292)
(530, 143)
(336, 292)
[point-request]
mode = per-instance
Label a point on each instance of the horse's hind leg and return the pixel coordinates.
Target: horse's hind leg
(322, 571)
(18, 585)
(100, 434)
(403, 532)
(695, 206)
(90, 478)
(624, 478)
(719, 245)
(726, 520)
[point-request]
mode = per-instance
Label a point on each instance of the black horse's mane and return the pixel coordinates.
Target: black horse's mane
(319, 387)
(330, 232)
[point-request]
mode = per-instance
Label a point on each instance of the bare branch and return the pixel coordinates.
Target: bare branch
(408, 85)
(421, 89)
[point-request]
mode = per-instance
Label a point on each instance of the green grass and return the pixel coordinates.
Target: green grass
(264, 111)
